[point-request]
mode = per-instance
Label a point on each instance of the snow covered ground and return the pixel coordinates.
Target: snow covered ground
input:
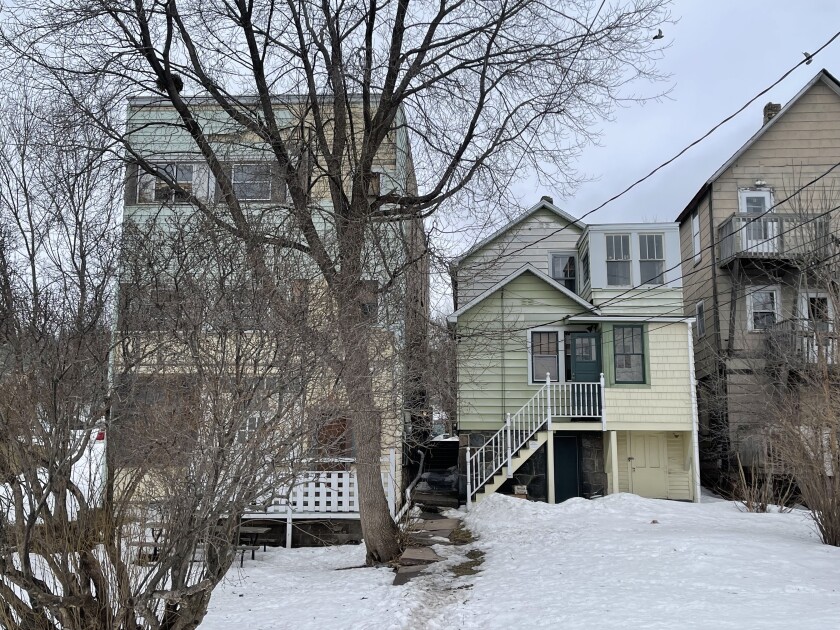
(580, 564)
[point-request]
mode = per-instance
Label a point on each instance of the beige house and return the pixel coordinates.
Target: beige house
(395, 310)
(575, 375)
(751, 239)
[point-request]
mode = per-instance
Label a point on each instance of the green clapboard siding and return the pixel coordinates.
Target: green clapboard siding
(492, 349)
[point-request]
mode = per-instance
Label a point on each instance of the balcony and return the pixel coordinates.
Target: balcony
(770, 236)
(803, 342)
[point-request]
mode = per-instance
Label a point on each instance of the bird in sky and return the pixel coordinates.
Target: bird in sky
(659, 35)
(808, 58)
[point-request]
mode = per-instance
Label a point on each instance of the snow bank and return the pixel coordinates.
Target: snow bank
(591, 565)
(605, 564)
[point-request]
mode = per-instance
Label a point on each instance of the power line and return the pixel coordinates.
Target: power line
(685, 149)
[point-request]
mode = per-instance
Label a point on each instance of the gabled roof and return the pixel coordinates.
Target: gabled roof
(542, 204)
(823, 75)
(523, 269)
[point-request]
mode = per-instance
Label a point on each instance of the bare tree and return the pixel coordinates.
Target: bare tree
(480, 92)
(186, 392)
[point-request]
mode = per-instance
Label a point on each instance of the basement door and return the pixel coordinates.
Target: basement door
(648, 464)
(566, 467)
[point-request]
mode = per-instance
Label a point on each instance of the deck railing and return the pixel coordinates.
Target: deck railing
(770, 235)
(572, 400)
(804, 341)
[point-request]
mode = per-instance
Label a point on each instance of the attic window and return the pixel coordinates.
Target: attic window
(564, 270)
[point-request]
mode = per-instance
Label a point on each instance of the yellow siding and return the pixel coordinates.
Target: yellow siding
(666, 404)
(679, 475)
(623, 467)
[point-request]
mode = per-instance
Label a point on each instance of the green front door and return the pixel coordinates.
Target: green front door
(586, 357)
(566, 467)
(586, 368)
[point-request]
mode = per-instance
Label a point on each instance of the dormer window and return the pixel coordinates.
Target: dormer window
(564, 270)
(652, 258)
(618, 260)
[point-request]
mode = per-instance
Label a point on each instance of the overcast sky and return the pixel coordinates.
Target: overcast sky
(722, 53)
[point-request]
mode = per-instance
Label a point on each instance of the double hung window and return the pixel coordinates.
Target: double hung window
(629, 354)
(545, 353)
(652, 258)
(618, 260)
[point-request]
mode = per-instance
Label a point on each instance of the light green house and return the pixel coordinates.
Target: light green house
(575, 368)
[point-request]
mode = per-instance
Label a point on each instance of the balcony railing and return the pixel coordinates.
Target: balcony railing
(771, 236)
(805, 341)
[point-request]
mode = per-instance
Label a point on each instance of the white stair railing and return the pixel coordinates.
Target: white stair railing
(572, 400)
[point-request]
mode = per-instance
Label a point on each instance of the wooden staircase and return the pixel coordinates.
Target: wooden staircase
(495, 482)
(489, 465)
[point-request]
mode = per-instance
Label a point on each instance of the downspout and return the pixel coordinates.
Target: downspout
(502, 350)
(695, 420)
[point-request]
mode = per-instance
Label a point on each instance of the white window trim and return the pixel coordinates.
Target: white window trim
(743, 193)
(630, 260)
(664, 259)
(565, 252)
(141, 175)
(561, 371)
(756, 288)
(701, 320)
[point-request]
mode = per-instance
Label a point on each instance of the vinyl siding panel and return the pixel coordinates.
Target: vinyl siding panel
(492, 349)
(529, 242)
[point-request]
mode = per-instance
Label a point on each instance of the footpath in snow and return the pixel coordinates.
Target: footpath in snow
(581, 564)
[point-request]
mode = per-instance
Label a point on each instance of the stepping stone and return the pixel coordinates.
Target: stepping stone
(431, 516)
(427, 539)
(441, 533)
(404, 574)
(418, 555)
(441, 523)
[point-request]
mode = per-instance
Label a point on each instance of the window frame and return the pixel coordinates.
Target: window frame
(559, 349)
(695, 237)
(628, 257)
(234, 183)
(700, 316)
(661, 237)
(743, 193)
(172, 196)
(777, 305)
(640, 354)
(562, 281)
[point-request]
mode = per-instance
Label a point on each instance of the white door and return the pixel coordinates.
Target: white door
(648, 465)
(760, 228)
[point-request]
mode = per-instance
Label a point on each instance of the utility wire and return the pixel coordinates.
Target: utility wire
(685, 149)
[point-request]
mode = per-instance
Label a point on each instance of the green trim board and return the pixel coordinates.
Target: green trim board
(608, 355)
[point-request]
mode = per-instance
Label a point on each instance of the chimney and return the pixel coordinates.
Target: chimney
(770, 110)
(548, 199)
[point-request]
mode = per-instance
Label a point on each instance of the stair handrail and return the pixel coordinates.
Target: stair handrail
(485, 461)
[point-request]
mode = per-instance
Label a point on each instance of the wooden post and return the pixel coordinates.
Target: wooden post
(603, 404)
(288, 526)
(509, 447)
(469, 479)
(548, 399)
(392, 482)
